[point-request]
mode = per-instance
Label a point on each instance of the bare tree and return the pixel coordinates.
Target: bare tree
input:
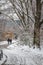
(21, 8)
(37, 16)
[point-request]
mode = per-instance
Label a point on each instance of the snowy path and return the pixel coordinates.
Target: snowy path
(5, 60)
(22, 55)
(3, 46)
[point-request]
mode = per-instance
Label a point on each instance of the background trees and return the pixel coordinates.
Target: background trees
(22, 10)
(28, 11)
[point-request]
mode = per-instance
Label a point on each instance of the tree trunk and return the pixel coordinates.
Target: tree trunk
(36, 35)
(37, 24)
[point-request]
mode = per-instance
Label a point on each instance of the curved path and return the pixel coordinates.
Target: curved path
(5, 60)
(2, 47)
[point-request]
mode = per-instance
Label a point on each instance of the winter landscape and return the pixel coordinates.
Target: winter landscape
(21, 32)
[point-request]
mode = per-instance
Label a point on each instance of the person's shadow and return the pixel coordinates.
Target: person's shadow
(1, 54)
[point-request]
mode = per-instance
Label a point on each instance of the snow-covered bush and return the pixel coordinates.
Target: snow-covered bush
(26, 39)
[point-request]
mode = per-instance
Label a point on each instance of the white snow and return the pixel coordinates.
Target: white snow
(2, 59)
(3, 42)
(23, 55)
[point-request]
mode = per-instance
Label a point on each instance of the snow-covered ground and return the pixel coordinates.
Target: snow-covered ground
(2, 59)
(23, 55)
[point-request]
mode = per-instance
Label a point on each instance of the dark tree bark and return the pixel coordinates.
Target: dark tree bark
(37, 24)
(36, 35)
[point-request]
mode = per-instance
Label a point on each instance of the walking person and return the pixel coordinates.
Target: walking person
(9, 41)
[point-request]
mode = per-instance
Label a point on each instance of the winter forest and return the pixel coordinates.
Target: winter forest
(21, 32)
